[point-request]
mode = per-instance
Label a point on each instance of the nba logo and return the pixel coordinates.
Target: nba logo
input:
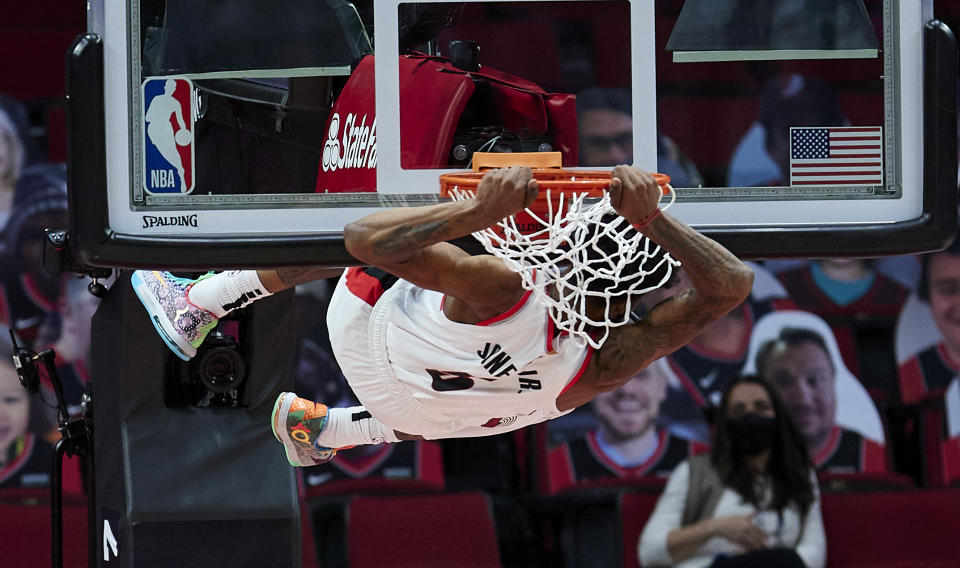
(168, 135)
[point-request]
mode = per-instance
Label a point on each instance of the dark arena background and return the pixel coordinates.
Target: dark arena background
(114, 452)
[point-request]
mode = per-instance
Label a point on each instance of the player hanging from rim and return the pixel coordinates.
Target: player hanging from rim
(437, 343)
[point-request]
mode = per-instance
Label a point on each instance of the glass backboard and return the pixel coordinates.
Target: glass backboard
(242, 134)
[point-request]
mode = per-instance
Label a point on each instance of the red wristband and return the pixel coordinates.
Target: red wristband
(646, 221)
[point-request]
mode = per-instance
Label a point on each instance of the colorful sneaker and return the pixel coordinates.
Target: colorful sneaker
(296, 422)
(182, 325)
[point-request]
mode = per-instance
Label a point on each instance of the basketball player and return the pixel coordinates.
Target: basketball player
(437, 343)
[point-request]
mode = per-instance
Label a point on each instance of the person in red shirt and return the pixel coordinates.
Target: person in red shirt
(926, 375)
(861, 305)
(627, 443)
(930, 376)
(950, 447)
(798, 363)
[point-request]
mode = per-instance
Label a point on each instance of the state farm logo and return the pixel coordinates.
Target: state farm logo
(357, 148)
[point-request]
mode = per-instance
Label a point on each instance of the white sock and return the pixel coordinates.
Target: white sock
(354, 426)
(224, 292)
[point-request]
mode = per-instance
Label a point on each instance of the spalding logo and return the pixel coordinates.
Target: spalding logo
(357, 148)
(151, 221)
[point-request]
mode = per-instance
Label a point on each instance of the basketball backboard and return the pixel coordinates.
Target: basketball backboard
(210, 135)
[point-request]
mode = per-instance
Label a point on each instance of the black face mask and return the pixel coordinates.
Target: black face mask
(752, 434)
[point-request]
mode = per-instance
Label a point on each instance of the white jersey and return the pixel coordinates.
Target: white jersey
(504, 373)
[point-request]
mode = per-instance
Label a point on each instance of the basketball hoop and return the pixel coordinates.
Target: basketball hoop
(568, 236)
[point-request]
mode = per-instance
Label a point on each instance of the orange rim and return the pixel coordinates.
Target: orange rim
(558, 182)
(591, 182)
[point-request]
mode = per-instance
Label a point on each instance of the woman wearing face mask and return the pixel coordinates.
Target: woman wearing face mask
(752, 501)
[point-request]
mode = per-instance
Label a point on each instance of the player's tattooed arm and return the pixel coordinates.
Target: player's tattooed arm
(410, 237)
(716, 274)
(719, 283)
(720, 280)
(395, 235)
(411, 243)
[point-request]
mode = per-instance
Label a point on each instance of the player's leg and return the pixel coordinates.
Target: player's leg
(184, 311)
(286, 278)
(224, 292)
(312, 433)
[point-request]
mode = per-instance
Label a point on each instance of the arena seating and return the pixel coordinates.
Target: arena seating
(26, 529)
(327, 508)
(865, 529)
(325, 505)
(635, 509)
(892, 529)
(422, 532)
(875, 529)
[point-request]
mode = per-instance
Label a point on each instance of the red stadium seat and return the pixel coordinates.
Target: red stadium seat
(326, 490)
(892, 529)
(26, 533)
(422, 532)
(836, 482)
(422, 467)
(308, 546)
(635, 509)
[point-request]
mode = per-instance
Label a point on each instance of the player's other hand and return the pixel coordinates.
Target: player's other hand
(505, 191)
(634, 193)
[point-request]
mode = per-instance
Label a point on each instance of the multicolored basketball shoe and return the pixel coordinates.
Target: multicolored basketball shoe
(182, 325)
(296, 422)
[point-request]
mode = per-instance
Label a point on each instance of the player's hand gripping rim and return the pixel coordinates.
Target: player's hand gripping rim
(635, 194)
(505, 191)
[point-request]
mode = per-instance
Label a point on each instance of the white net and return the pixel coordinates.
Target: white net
(592, 263)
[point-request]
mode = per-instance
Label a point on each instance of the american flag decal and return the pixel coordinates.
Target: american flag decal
(836, 155)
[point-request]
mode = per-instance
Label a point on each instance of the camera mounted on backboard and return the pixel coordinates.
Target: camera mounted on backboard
(213, 378)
